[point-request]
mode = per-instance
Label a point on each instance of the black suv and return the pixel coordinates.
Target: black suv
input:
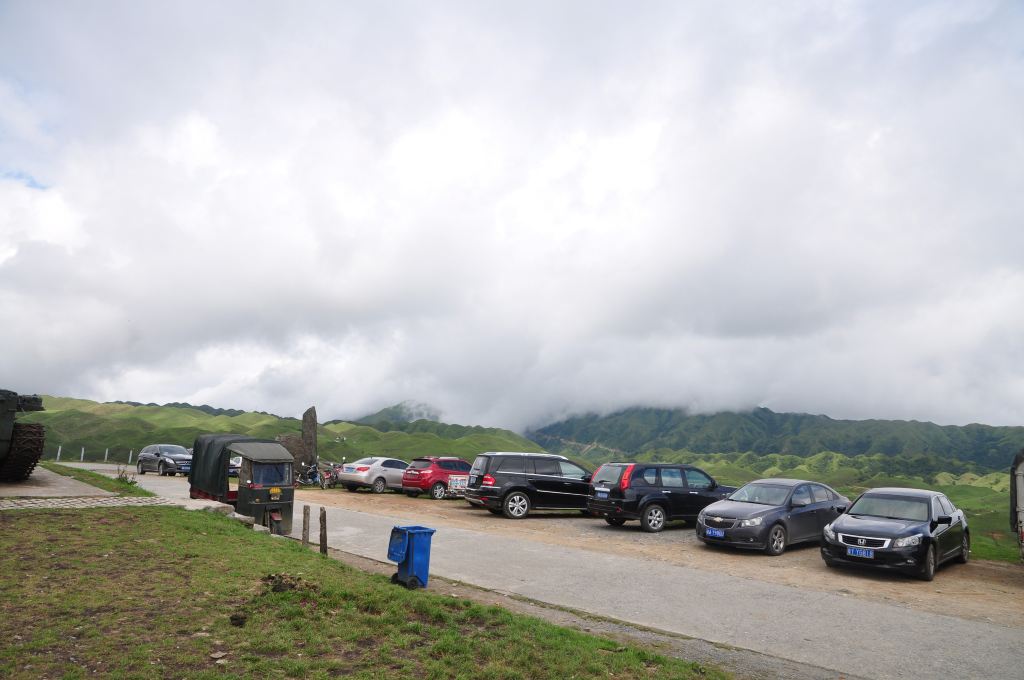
(513, 483)
(652, 493)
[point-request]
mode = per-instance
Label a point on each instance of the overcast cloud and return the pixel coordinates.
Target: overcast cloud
(516, 211)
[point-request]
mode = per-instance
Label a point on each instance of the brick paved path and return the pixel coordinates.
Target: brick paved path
(81, 502)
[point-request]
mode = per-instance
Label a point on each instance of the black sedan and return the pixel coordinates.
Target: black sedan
(910, 530)
(167, 459)
(770, 514)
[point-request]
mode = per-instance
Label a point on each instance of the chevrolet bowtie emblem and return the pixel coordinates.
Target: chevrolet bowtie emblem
(717, 519)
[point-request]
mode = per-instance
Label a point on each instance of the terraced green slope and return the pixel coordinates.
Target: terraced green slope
(74, 423)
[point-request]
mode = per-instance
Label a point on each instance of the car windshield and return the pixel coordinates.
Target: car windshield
(271, 473)
(891, 507)
(420, 464)
(174, 450)
(765, 494)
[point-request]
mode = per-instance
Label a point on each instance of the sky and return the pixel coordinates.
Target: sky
(516, 212)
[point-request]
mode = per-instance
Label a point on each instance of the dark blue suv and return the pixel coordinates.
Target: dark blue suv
(653, 493)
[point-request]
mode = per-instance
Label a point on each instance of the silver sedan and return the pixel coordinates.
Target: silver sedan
(379, 474)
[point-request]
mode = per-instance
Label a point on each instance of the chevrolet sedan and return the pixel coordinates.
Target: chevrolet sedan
(770, 514)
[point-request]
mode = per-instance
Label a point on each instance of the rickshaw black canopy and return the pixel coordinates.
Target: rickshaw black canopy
(212, 452)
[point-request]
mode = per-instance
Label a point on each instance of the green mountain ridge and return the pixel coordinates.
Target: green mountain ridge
(121, 427)
(762, 431)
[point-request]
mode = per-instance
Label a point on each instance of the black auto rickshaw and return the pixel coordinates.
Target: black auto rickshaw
(266, 489)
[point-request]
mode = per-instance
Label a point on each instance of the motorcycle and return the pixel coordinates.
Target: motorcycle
(309, 475)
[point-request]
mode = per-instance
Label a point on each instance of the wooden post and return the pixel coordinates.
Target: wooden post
(58, 450)
(323, 530)
(82, 457)
(106, 454)
(130, 452)
(305, 526)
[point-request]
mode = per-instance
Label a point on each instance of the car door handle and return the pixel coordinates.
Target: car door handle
(694, 493)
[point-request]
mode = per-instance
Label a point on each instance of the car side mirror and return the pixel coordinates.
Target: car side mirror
(587, 478)
(840, 509)
(797, 504)
(713, 485)
(943, 519)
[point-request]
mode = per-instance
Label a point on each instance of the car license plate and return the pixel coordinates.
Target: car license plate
(349, 468)
(715, 533)
(601, 494)
(457, 482)
(861, 552)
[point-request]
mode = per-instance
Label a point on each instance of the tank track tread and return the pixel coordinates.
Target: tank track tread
(26, 450)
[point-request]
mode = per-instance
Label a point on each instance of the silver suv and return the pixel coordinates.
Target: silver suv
(379, 474)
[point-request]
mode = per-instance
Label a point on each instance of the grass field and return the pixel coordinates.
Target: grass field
(162, 592)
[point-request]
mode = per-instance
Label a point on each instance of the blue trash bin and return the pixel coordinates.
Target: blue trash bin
(410, 547)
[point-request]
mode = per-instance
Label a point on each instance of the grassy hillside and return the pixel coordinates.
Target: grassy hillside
(74, 423)
(763, 431)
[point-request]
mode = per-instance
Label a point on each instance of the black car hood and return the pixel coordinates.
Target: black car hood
(737, 509)
(877, 526)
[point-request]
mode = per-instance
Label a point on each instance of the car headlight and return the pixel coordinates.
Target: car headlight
(700, 516)
(907, 541)
(829, 533)
(752, 522)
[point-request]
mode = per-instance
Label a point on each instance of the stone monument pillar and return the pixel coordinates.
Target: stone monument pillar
(309, 435)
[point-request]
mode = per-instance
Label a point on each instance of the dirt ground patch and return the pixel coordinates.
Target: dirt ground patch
(981, 590)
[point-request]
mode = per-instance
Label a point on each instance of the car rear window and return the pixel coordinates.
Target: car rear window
(608, 474)
(420, 464)
(365, 461)
(480, 465)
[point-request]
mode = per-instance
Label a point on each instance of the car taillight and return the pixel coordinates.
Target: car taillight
(362, 468)
(250, 485)
(626, 474)
(487, 481)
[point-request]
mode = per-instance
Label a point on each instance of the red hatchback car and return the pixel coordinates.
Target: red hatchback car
(432, 474)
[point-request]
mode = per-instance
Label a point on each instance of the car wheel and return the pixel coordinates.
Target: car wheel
(352, 487)
(965, 549)
(438, 492)
(927, 572)
(162, 469)
(653, 518)
(615, 521)
(516, 505)
(776, 544)
(141, 470)
(829, 562)
(379, 485)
